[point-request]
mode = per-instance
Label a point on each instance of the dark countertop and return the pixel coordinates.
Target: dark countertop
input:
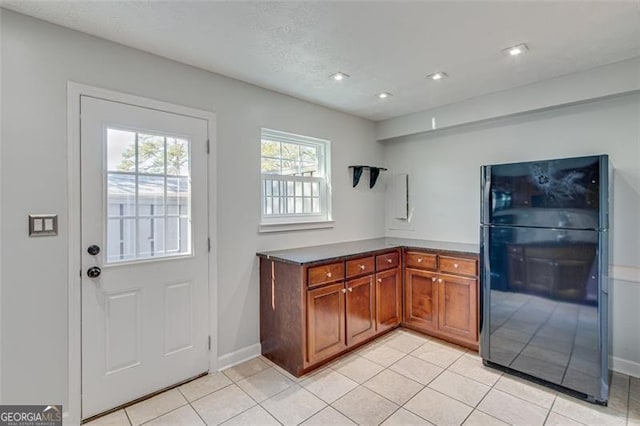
(325, 252)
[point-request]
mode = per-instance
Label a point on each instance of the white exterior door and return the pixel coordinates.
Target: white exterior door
(144, 251)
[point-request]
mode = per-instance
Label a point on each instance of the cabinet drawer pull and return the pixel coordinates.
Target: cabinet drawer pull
(433, 279)
(362, 267)
(344, 290)
(419, 260)
(389, 260)
(439, 280)
(350, 289)
(379, 280)
(455, 265)
(328, 274)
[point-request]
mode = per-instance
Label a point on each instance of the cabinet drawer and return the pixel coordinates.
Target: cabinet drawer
(325, 274)
(387, 261)
(459, 265)
(419, 260)
(361, 266)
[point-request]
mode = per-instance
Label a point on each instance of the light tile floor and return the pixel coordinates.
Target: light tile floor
(401, 379)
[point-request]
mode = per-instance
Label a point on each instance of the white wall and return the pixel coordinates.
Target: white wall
(37, 61)
(444, 173)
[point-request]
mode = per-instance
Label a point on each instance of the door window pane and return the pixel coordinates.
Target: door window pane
(148, 196)
(121, 150)
(177, 157)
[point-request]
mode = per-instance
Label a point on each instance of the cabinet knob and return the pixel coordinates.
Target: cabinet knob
(362, 267)
(328, 274)
(344, 290)
(455, 265)
(433, 279)
(389, 260)
(439, 280)
(379, 280)
(350, 289)
(419, 260)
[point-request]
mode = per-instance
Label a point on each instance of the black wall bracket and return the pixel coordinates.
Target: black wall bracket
(374, 172)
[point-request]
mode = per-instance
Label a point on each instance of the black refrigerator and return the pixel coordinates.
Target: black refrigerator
(544, 267)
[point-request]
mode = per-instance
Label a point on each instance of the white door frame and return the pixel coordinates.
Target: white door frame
(72, 412)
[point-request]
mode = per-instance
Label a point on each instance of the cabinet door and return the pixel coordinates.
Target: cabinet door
(421, 299)
(388, 299)
(325, 321)
(458, 306)
(361, 305)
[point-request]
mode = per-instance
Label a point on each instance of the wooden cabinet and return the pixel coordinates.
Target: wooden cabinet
(325, 324)
(421, 299)
(388, 299)
(441, 296)
(362, 266)
(387, 261)
(360, 309)
(341, 315)
(457, 306)
(325, 274)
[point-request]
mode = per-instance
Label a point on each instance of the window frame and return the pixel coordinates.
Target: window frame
(297, 221)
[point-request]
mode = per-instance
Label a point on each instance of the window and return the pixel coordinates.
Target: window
(148, 196)
(295, 179)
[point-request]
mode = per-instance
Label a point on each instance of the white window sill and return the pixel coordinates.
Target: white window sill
(295, 226)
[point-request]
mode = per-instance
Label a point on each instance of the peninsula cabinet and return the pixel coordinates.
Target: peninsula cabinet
(317, 303)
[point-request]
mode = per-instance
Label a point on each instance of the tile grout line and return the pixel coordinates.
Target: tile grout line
(194, 408)
(209, 393)
(127, 415)
(382, 396)
(164, 414)
(256, 403)
(501, 374)
(427, 386)
(549, 410)
(399, 406)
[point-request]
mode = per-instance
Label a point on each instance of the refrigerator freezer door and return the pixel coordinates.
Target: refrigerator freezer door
(566, 193)
(542, 305)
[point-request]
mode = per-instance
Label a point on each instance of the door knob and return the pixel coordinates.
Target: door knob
(93, 250)
(94, 272)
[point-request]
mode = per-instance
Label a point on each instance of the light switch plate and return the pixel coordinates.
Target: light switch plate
(43, 225)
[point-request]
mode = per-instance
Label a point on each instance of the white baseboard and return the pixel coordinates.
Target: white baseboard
(68, 420)
(239, 356)
(624, 366)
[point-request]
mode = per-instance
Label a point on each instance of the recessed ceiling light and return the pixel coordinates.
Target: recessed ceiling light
(437, 75)
(516, 50)
(384, 95)
(339, 76)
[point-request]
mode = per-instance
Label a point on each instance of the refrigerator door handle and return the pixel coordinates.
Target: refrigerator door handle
(485, 194)
(485, 287)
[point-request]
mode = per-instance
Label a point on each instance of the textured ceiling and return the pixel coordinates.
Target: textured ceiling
(292, 47)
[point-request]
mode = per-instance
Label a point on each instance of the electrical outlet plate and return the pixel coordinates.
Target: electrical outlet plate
(43, 225)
